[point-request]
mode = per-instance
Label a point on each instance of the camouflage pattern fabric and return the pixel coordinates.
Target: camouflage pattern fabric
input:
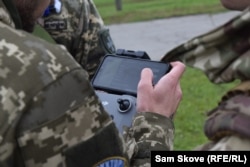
(223, 54)
(232, 116)
(45, 100)
(227, 143)
(141, 139)
(227, 126)
(50, 115)
(80, 28)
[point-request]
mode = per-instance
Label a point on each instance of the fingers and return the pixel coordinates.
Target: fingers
(173, 77)
(146, 79)
(147, 74)
(177, 70)
(144, 90)
(164, 97)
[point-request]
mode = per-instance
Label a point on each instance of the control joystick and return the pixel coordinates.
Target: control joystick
(121, 108)
(124, 105)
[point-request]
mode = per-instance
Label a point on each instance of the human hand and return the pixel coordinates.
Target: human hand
(165, 96)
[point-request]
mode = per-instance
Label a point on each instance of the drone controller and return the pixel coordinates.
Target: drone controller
(121, 108)
(116, 81)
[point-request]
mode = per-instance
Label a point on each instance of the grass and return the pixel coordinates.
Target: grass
(199, 94)
(199, 97)
(141, 10)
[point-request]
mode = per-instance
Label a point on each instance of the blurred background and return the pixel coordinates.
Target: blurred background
(121, 11)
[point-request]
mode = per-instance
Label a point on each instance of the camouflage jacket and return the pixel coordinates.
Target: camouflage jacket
(223, 54)
(227, 125)
(50, 115)
(79, 27)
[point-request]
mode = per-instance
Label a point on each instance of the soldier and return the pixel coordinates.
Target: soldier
(78, 26)
(50, 114)
(223, 54)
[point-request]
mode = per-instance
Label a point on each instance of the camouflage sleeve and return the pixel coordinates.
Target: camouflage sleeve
(222, 53)
(150, 131)
(74, 130)
(227, 126)
(50, 115)
(80, 28)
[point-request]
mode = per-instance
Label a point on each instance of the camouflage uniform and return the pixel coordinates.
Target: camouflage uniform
(50, 115)
(223, 54)
(80, 28)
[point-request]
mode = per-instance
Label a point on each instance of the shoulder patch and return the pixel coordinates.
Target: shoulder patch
(55, 24)
(113, 162)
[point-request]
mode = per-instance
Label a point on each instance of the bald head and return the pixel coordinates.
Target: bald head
(30, 11)
(235, 4)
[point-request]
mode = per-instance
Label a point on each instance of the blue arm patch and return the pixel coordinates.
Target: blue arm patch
(112, 163)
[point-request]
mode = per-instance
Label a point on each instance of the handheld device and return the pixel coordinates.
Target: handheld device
(121, 108)
(121, 74)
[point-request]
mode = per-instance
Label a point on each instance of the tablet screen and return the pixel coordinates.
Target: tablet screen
(120, 74)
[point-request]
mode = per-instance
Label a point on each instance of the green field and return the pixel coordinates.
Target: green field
(199, 96)
(138, 10)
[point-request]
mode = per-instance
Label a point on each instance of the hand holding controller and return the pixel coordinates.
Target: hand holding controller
(157, 90)
(164, 97)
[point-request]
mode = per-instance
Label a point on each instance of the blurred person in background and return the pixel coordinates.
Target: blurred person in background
(223, 54)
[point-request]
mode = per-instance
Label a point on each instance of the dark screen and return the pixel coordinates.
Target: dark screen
(122, 74)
